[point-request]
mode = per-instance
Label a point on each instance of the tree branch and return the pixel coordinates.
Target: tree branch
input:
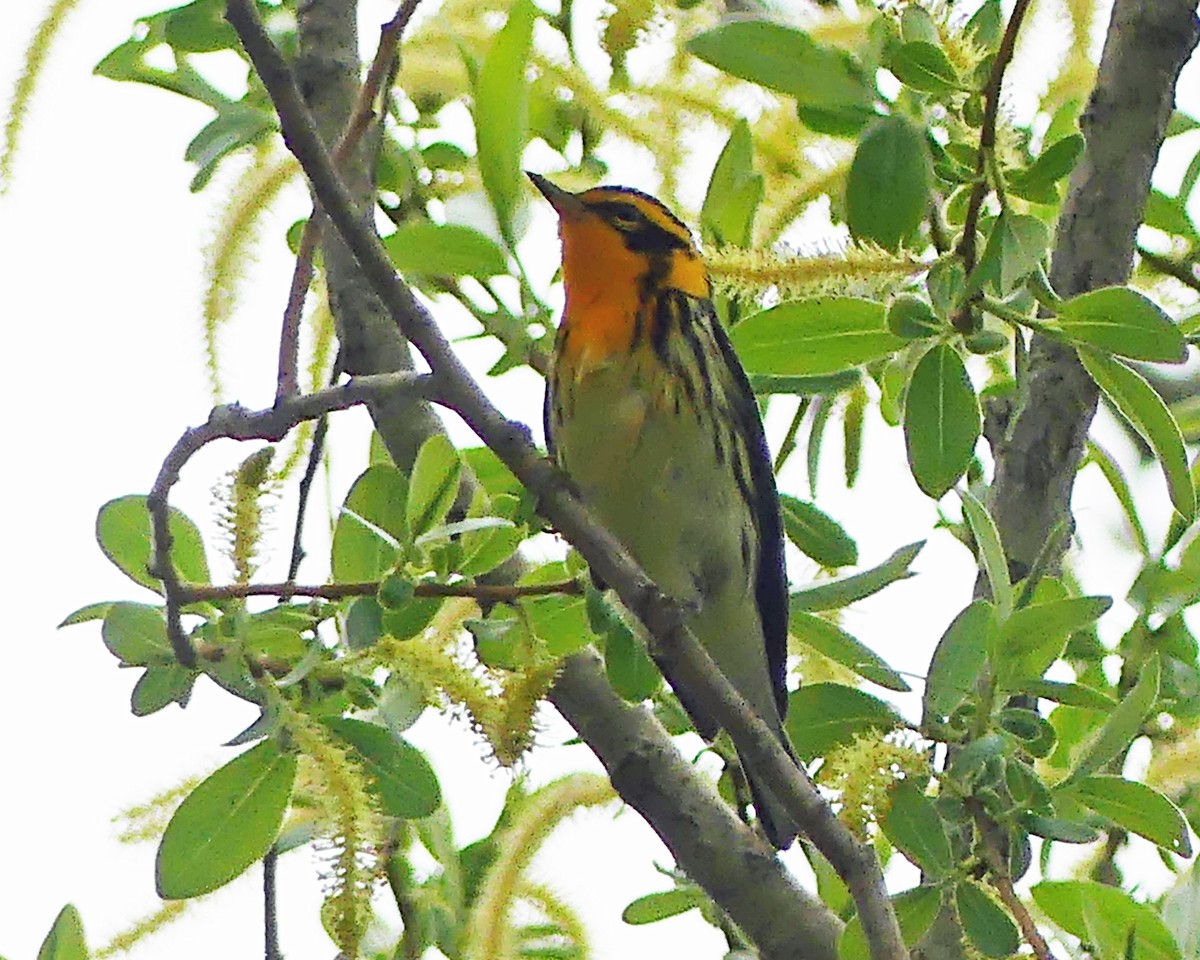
(483, 592)
(682, 658)
(987, 132)
(234, 422)
(1148, 42)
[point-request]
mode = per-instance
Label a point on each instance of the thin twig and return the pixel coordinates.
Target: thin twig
(483, 592)
(987, 144)
(1002, 882)
(287, 381)
(1182, 270)
(306, 482)
(270, 913)
(685, 662)
(234, 422)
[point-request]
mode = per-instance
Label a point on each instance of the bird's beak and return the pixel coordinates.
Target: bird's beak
(566, 204)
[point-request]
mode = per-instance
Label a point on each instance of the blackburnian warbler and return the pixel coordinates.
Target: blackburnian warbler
(650, 413)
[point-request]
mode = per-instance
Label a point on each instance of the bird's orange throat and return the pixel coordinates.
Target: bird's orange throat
(610, 290)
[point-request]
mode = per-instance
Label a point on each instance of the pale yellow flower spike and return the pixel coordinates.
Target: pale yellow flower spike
(489, 932)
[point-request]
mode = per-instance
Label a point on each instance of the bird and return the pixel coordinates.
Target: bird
(650, 415)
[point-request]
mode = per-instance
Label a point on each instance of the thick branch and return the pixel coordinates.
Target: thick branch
(700, 830)
(1148, 42)
(327, 68)
(684, 661)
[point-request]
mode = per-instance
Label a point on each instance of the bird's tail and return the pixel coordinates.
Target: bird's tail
(779, 825)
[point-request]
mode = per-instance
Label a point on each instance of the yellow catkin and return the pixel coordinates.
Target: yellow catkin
(126, 940)
(558, 913)
(354, 826)
(241, 510)
(32, 65)
(148, 820)
(228, 253)
(863, 773)
(752, 273)
(489, 933)
(1173, 766)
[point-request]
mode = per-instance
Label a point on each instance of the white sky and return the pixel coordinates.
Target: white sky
(100, 247)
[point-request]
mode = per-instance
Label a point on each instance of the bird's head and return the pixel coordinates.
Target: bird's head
(617, 238)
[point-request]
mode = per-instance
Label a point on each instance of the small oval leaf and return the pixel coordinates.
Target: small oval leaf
(941, 420)
(227, 823)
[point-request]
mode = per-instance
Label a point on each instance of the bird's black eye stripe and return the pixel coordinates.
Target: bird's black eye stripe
(623, 216)
(641, 234)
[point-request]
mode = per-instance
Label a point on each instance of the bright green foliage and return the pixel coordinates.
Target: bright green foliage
(887, 191)
(925, 318)
(226, 823)
(915, 909)
(941, 420)
(807, 337)
(65, 941)
(1111, 920)
(822, 716)
(817, 534)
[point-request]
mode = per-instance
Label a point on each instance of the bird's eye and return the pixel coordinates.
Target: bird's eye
(627, 221)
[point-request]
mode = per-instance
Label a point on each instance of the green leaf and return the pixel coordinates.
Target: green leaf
(915, 829)
(1137, 808)
(160, 686)
(1121, 727)
(501, 113)
(1055, 828)
(986, 924)
(832, 641)
(941, 420)
(833, 594)
(1120, 488)
(629, 667)
(915, 910)
(560, 622)
(1121, 321)
(1132, 929)
(444, 249)
(734, 191)
(765, 384)
(817, 534)
(887, 188)
(231, 129)
(912, 318)
(400, 776)
(820, 335)
(136, 634)
(65, 941)
(1180, 911)
(434, 484)
(833, 93)
(822, 716)
(1055, 162)
(1071, 694)
(1145, 409)
(990, 551)
(924, 66)
(1034, 636)
(225, 824)
(1016, 247)
(92, 611)
(958, 659)
(659, 906)
(123, 531)
(371, 526)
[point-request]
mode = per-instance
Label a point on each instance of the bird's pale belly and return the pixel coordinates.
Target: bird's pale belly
(652, 477)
